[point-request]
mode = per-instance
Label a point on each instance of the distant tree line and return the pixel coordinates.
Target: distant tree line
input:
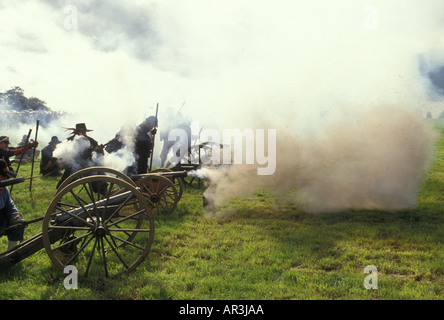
(18, 109)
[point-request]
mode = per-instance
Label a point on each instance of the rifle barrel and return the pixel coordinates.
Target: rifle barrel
(33, 154)
(11, 182)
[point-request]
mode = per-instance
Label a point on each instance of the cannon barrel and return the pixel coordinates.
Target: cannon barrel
(63, 217)
(172, 174)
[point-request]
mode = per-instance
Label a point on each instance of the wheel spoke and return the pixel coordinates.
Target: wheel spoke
(104, 257)
(117, 254)
(76, 216)
(91, 257)
(127, 242)
(81, 202)
(129, 230)
(126, 218)
(119, 208)
(67, 243)
(80, 250)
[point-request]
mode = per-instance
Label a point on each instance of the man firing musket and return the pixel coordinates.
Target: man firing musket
(144, 142)
(79, 154)
(139, 142)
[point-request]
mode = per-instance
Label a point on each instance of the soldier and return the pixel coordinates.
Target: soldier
(9, 215)
(6, 151)
(144, 143)
(27, 157)
(49, 166)
(84, 159)
(176, 121)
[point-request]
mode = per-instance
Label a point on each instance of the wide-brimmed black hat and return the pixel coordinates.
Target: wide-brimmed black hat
(4, 170)
(55, 140)
(79, 127)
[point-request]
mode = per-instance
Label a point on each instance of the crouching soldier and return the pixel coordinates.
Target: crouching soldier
(9, 215)
(49, 165)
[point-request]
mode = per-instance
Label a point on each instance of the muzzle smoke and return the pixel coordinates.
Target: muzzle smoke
(70, 153)
(375, 158)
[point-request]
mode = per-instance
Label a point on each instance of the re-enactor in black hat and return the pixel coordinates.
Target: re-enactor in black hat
(84, 157)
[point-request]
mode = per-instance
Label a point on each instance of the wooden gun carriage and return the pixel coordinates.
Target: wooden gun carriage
(101, 221)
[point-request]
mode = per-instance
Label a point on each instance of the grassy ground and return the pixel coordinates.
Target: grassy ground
(257, 248)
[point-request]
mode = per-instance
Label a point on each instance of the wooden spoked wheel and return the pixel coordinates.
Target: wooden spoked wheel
(95, 171)
(107, 235)
(160, 193)
(178, 183)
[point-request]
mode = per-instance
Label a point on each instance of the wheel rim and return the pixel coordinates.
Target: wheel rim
(93, 171)
(108, 235)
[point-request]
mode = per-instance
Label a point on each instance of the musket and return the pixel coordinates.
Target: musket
(154, 138)
(21, 156)
(33, 153)
(11, 182)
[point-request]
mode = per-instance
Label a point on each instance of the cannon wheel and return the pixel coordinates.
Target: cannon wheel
(160, 193)
(109, 236)
(178, 183)
(93, 171)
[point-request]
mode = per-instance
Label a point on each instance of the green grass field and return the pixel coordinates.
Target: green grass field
(257, 248)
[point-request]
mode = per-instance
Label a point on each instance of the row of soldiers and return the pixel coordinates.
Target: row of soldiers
(49, 165)
(143, 147)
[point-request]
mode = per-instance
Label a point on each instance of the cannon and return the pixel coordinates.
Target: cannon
(163, 188)
(101, 221)
(198, 156)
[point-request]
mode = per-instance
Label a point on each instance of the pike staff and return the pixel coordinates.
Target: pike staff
(33, 154)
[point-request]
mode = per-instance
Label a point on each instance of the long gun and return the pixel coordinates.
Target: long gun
(11, 182)
(172, 174)
(33, 154)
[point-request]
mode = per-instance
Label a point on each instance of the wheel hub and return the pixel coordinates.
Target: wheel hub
(100, 231)
(154, 198)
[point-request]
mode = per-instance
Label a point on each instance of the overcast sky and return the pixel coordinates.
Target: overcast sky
(228, 60)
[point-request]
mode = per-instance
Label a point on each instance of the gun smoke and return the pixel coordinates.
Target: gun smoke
(375, 159)
(344, 87)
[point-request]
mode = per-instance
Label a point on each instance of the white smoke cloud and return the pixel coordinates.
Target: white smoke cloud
(70, 153)
(373, 158)
(119, 160)
(302, 68)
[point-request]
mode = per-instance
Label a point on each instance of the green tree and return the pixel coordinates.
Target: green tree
(16, 100)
